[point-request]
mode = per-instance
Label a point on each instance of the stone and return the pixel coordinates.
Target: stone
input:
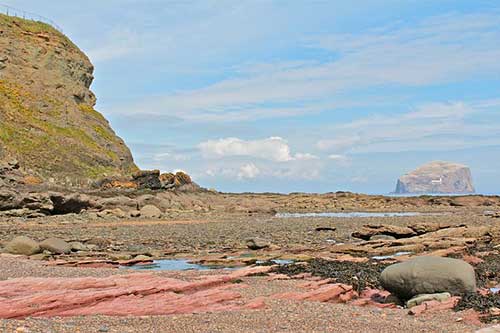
(119, 201)
(370, 230)
(134, 213)
(147, 179)
(419, 299)
(491, 329)
(429, 275)
(39, 256)
(77, 246)
(334, 293)
(434, 306)
(142, 257)
(70, 203)
(56, 246)
(117, 212)
(382, 237)
(22, 245)
(437, 177)
(167, 180)
(150, 211)
(257, 243)
(120, 256)
(137, 294)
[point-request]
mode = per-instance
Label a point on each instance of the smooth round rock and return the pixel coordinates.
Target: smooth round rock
(429, 275)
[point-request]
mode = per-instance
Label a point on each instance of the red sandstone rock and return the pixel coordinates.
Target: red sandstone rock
(120, 295)
(472, 259)
(339, 293)
(274, 276)
(471, 316)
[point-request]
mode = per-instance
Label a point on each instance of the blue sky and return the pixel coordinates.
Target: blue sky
(295, 95)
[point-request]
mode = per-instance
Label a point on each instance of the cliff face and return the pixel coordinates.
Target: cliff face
(47, 116)
(437, 177)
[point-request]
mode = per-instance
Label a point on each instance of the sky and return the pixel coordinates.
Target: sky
(295, 96)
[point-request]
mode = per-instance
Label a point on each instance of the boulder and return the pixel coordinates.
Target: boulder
(56, 246)
(437, 177)
(70, 203)
(40, 202)
(117, 212)
(147, 179)
(370, 230)
(419, 299)
(491, 329)
(167, 180)
(429, 275)
(22, 245)
(150, 211)
(382, 237)
(119, 201)
(36, 202)
(134, 213)
(257, 243)
(78, 246)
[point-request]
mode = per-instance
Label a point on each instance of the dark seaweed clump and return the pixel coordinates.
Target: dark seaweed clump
(480, 303)
(358, 275)
(489, 270)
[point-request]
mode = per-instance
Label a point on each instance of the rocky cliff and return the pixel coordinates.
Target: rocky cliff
(437, 177)
(47, 116)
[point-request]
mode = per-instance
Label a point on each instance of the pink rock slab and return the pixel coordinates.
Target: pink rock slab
(120, 295)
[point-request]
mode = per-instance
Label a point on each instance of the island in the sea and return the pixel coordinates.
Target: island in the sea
(437, 177)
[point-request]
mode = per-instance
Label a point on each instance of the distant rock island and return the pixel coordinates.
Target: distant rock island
(437, 177)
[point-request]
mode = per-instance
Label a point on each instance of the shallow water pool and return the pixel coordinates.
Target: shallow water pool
(172, 265)
(184, 265)
(349, 214)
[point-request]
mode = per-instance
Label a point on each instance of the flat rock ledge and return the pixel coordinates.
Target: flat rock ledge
(123, 295)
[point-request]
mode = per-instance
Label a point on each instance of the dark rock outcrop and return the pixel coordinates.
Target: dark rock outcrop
(437, 177)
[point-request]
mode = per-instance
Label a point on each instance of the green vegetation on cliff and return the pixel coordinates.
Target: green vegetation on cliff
(47, 118)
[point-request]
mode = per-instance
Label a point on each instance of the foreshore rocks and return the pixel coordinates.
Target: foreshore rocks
(150, 180)
(429, 275)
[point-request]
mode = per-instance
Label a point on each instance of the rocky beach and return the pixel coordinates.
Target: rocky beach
(89, 242)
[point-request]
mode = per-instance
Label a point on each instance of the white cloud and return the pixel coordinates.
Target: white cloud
(305, 157)
(337, 157)
(274, 149)
(248, 171)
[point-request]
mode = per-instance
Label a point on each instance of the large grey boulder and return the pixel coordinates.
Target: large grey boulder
(56, 245)
(437, 177)
(22, 245)
(429, 275)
